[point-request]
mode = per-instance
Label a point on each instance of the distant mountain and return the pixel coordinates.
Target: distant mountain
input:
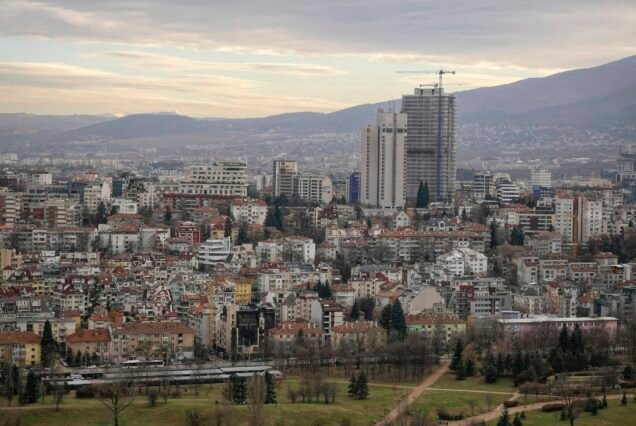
(592, 97)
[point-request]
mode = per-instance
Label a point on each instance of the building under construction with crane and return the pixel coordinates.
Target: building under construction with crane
(431, 141)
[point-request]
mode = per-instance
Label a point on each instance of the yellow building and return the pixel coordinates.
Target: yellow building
(21, 348)
(243, 292)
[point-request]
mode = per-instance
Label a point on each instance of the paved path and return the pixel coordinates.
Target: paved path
(417, 391)
(492, 415)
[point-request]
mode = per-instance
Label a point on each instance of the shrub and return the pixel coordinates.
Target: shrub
(85, 392)
(510, 403)
(554, 406)
(442, 414)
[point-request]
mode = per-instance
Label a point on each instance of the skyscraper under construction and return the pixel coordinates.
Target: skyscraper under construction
(430, 142)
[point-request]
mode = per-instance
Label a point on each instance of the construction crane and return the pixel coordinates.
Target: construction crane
(440, 73)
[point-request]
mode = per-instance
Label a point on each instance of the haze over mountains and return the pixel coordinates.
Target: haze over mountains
(594, 97)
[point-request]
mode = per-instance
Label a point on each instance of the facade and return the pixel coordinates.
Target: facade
(214, 251)
(431, 142)
(313, 188)
(283, 177)
(541, 178)
(21, 348)
(96, 341)
(483, 186)
(221, 178)
(383, 161)
(250, 211)
(353, 188)
(153, 340)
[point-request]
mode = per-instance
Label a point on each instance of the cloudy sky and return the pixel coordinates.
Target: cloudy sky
(240, 58)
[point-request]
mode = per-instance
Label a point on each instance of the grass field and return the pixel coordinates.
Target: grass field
(76, 412)
(456, 402)
(504, 384)
(614, 415)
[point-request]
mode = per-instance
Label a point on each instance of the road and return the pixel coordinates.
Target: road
(417, 391)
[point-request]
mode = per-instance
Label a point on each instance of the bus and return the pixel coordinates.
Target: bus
(133, 363)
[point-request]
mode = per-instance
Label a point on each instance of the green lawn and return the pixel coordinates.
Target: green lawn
(456, 402)
(614, 415)
(76, 412)
(504, 384)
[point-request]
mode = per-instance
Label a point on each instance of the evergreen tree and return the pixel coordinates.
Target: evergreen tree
(48, 344)
(493, 234)
(564, 339)
(167, 216)
(517, 364)
(355, 311)
(504, 418)
(501, 366)
(457, 354)
(31, 388)
(278, 218)
(423, 196)
(470, 367)
(362, 391)
(352, 390)
(385, 317)
(517, 236)
(490, 368)
(270, 396)
(576, 340)
(242, 234)
(101, 217)
(78, 359)
(227, 228)
(398, 322)
(624, 399)
(517, 420)
(367, 306)
(236, 390)
(460, 371)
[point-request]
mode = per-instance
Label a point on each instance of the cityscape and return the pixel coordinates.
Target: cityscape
(251, 214)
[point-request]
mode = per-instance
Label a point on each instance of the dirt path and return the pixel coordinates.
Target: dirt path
(492, 415)
(417, 391)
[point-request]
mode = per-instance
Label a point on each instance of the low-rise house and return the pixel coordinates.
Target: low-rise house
(21, 348)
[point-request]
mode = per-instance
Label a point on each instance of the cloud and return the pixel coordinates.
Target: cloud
(33, 86)
(147, 61)
(540, 34)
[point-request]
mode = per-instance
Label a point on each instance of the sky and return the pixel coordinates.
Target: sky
(249, 58)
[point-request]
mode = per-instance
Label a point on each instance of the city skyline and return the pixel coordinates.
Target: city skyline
(251, 59)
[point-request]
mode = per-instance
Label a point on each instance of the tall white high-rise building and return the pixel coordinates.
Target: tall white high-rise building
(283, 177)
(222, 178)
(383, 161)
(431, 142)
(541, 177)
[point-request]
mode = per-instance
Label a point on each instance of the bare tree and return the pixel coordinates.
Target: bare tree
(194, 418)
(256, 394)
(116, 396)
(472, 404)
(573, 398)
(58, 393)
(489, 401)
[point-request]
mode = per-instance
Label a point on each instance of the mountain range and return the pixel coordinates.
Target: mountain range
(600, 96)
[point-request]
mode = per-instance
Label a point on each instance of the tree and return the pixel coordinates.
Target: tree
(271, 389)
(490, 369)
(355, 311)
(116, 396)
(58, 392)
(352, 390)
(363, 387)
(517, 420)
(31, 389)
(227, 228)
(385, 317)
(517, 236)
(236, 389)
(457, 354)
(367, 305)
(460, 371)
(398, 322)
(423, 196)
(101, 216)
(504, 418)
(470, 367)
(194, 418)
(167, 216)
(256, 397)
(493, 234)
(48, 344)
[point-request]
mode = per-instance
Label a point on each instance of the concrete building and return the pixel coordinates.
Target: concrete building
(283, 177)
(383, 160)
(353, 188)
(313, 188)
(483, 186)
(221, 178)
(214, 251)
(541, 178)
(430, 142)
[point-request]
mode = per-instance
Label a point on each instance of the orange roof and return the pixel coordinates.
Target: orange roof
(19, 338)
(85, 336)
